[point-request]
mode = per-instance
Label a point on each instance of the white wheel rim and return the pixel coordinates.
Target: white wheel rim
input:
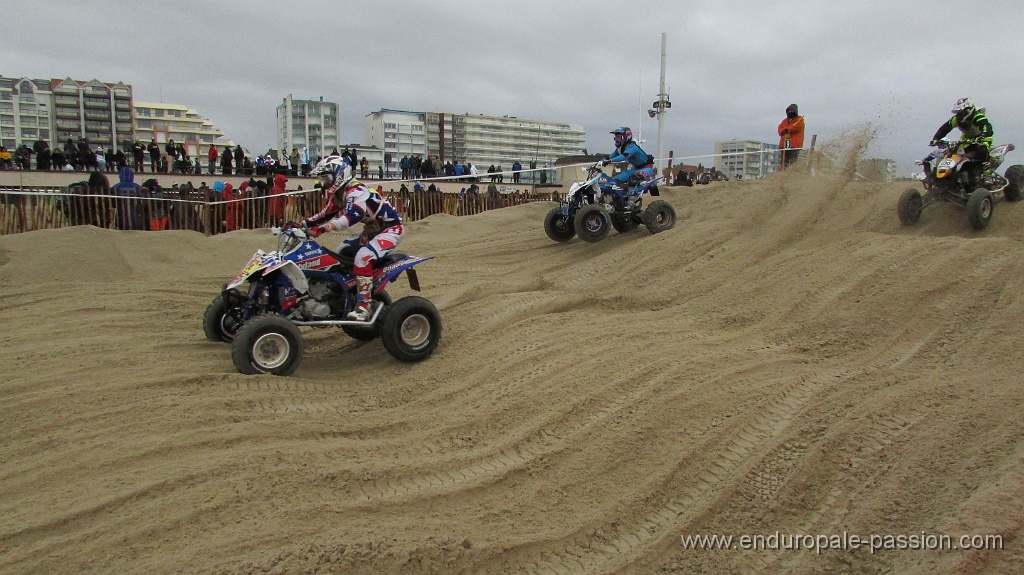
(415, 330)
(271, 350)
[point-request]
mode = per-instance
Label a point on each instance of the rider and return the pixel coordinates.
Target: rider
(349, 202)
(641, 163)
(976, 138)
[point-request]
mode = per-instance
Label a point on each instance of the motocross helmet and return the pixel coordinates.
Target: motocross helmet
(333, 169)
(623, 136)
(963, 109)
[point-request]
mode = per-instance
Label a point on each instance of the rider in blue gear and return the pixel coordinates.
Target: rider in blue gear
(641, 163)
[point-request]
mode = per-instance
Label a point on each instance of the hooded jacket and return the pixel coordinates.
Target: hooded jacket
(277, 200)
(792, 129)
(128, 209)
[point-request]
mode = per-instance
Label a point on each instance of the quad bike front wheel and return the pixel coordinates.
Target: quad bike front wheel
(659, 216)
(411, 328)
(592, 223)
(1015, 179)
(368, 333)
(267, 344)
(222, 317)
(557, 226)
(909, 206)
(979, 208)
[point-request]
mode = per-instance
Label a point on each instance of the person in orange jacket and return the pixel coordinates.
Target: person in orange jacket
(278, 201)
(791, 136)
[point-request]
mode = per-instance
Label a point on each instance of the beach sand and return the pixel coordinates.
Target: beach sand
(788, 359)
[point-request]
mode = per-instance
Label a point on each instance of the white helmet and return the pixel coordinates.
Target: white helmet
(964, 107)
(333, 169)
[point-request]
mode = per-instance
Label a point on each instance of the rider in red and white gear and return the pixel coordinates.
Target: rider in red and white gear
(349, 202)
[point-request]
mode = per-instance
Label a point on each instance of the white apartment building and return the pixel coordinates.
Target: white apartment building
(166, 122)
(500, 140)
(747, 159)
(312, 124)
(396, 132)
(25, 106)
(56, 110)
(482, 140)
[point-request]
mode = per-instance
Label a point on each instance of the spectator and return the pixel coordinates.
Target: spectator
(154, 155)
(38, 148)
(404, 165)
(138, 156)
(472, 172)
(156, 205)
(278, 201)
(239, 158)
(42, 156)
(387, 165)
(304, 158)
(490, 174)
(364, 168)
(293, 162)
(99, 160)
(129, 209)
(232, 209)
(211, 156)
(416, 165)
(380, 172)
(791, 136)
(6, 160)
(58, 161)
(171, 151)
(23, 157)
(516, 167)
(120, 160)
(500, 173)
(225, 162)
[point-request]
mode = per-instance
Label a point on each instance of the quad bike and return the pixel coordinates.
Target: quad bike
(595, 205)
(947, 180)
(303, 284)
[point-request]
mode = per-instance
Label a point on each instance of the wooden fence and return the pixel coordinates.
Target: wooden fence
(28, 209)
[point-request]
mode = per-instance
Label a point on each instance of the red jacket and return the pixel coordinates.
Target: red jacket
(277, 201)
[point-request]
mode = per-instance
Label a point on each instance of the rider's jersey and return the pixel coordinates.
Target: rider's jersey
(362, 205)
(976, 128)
(633, 154)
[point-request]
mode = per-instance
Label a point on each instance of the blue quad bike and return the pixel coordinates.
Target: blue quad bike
(597, 204)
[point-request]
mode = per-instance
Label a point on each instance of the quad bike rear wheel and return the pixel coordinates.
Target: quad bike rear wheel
(1015, 177)
(909, 206)
(659, 216)
(411, 328)
(592, 223)
(979, 208)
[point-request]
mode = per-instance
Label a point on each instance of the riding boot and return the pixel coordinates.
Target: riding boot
(364, 285)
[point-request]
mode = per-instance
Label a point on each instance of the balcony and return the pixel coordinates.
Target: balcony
(97, 104)
(89, 115)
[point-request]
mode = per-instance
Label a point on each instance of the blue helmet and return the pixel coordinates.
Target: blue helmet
(623, 136)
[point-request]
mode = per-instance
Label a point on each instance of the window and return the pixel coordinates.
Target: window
(6, 119)
(159, 113)
(145, 123)
(143, 112)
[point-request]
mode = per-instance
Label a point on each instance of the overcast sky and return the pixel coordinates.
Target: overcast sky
(891, 68)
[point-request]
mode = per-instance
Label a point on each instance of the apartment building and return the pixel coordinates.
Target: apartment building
(166, 122)
(312, 124)
(56, 110)
(746, 159)
(482, 140)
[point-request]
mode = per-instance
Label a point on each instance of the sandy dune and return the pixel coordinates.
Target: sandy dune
(787, 360)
